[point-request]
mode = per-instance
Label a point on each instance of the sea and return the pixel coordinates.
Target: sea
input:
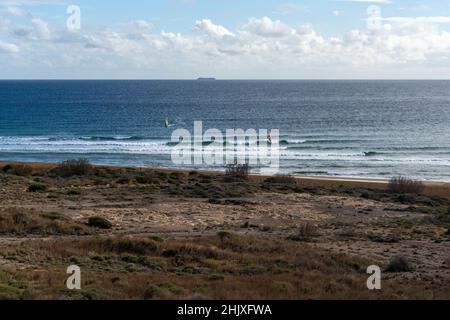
(364, 129)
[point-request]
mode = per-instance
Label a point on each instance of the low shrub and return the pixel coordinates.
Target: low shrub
(216, 277)
(281, 179)
(305, 232)
(125, 179)
(224, 235)
(18, 170)
(149, 178)
(74, 192)
(37, 187)
(238, 171)
(399, 264)
(99, 222)
(54, 216)
(447, 263)
(121, 246)
(151, 293)
(24, 222)
(403, 185)
(70, 168)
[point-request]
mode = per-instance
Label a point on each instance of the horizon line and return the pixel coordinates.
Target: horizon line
(222, 79)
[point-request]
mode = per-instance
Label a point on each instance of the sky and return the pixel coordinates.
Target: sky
(226, 39)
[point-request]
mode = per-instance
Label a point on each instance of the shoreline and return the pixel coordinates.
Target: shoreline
(432, 188)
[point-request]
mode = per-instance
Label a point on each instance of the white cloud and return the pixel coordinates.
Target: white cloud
(369, 1)
(262, 47)
(288, 8)
(140, 25)
(267, 27)
(427, 20)
(213, 29)
(31, 2)
(8, 47)
(18, 12)
(41, 28)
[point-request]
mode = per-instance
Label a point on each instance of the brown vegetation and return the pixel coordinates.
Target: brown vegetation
(71, 168)
(238, 171)
(99, 222)
(402, 185)
(24, 222)
(305, 232)
(285, 179)
(399, 264)
(283, 239)
(18, 170)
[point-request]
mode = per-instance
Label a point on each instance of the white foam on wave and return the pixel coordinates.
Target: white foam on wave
(76, 145)
(122, 144)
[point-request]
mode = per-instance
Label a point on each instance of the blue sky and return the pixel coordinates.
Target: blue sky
(180, 15)
(225, 38)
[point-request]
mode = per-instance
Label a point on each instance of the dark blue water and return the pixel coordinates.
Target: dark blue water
(350, 128)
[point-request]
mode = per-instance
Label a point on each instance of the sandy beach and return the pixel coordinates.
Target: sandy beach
(181, 234)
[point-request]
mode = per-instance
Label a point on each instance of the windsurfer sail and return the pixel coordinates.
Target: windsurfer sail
(269, 137)
(167, 124)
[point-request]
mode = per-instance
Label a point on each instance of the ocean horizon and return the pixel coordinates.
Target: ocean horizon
(351, 128)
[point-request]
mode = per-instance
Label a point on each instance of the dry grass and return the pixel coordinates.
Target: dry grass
(24, 222)
(99, 222)
(127, 262)
(247, 267)
(399, 264)
(305, 232)
(285, 179)
(403, 185)
(238, 171)
(18, 170)
(37, 187)
(69, 168)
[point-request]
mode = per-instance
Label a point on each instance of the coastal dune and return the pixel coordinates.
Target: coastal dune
(158, 233)
(432, 188)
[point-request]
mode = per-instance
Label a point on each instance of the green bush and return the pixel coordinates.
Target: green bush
(37, 187)
(54, 216)
(151, 293)
(74, 192)
(99, 222)
(216, 277)
(224, 235)
(399, 264)
(18, 170)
